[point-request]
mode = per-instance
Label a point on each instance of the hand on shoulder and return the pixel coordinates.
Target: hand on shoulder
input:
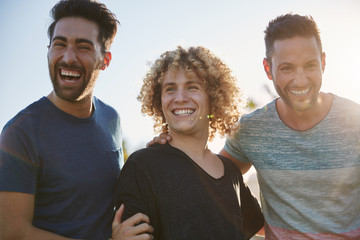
(163, 138)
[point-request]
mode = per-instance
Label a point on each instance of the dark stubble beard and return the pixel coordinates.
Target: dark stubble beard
(71, 94)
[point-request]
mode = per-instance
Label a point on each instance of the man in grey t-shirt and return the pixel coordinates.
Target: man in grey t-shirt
(304, 145)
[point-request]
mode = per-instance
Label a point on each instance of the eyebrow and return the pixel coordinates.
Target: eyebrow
(77, 41)
(168, 84)
(285, 63)
(194, 82)
(313, 61)
(84, 40)
(186, 83)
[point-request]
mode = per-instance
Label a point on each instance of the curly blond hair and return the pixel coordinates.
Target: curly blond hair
(225, 97)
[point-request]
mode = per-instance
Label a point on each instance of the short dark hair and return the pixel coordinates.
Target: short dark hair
(90, 10)
(289, 26)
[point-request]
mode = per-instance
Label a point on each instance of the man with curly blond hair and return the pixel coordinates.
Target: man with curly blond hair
(187, 191)
(224, 96)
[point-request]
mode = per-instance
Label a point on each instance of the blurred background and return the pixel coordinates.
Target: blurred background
(232, 29)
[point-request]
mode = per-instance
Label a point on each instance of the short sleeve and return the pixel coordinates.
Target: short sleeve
(233, 147)
(134, 190)
(251, 210)
(17, 165)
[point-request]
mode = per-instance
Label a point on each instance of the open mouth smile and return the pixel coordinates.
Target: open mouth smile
(70, 75)
(183, 112)
(300, 92)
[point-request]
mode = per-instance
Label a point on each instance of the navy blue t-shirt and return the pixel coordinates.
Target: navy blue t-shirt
(70, 164)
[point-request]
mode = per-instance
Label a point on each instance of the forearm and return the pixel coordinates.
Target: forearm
(29, 233)
(16, 214)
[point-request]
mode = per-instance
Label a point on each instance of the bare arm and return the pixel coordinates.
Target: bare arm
(16, 214)
(244, 167)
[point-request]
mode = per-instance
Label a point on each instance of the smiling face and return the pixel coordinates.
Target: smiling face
(75, 58)
(185, 103)
(296, 71)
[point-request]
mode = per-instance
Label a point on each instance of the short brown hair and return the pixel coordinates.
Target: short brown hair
(289, 26)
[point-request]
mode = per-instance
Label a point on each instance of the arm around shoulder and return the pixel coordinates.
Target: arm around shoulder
(243, 167)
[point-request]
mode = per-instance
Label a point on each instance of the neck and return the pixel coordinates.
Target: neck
(307, 119)
(190, 144)
(196, 148)
(81, 109)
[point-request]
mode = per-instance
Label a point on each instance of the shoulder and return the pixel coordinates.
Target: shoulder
(104, 108)
(107, 117)
(345, 108)
(20, 134)
(28, 116)
(155, 156)
(345, 104)
(230, 166)
(147, 162)
(153, 152)
(261, 118)
(267, 111)
(226, 161)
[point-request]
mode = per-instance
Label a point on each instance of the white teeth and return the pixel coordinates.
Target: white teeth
(70, 73)
(183, 112)
(305, 91)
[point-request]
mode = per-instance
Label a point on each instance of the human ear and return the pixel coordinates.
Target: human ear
(267, 68)
(107, 60)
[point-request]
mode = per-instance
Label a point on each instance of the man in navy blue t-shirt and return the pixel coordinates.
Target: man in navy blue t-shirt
(61, 155)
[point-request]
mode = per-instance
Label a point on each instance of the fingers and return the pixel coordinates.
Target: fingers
(161, 139)
(141, 229)
(150, 143)
(118, 215)
(145, 228)
(136, 219)
(165, 137)
(136, 227)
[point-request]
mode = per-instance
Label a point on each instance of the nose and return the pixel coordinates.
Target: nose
(70, 56)
(300, 78)
(180, 96)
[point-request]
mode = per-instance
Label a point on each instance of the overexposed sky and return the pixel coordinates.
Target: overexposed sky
(232, 29)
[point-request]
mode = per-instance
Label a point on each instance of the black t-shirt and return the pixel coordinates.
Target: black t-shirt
(183, 201)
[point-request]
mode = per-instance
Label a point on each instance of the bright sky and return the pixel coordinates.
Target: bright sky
(232, 29)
